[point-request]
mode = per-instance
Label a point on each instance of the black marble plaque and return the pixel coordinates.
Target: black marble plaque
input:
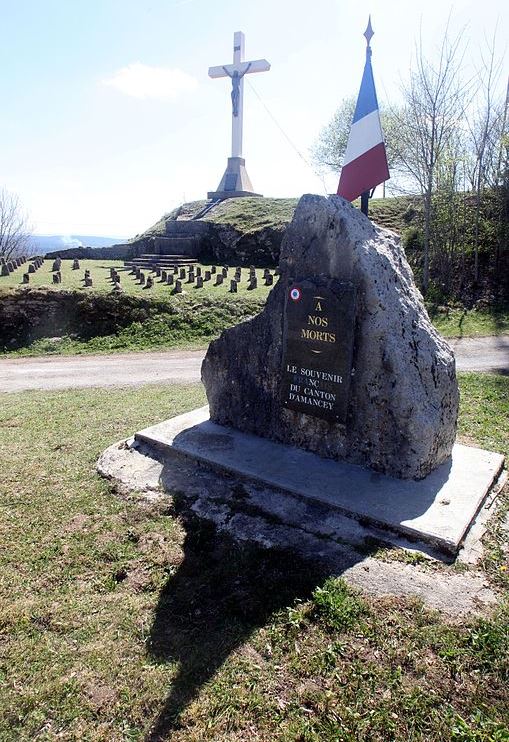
(318, 347)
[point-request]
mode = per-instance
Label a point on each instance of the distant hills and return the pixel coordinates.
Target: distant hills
(46, 243)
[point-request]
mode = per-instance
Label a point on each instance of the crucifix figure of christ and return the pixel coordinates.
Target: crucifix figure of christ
(236, 73)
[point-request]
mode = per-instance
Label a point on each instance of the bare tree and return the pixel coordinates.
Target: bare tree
(485, 124)
(434, 100)
(14, 230)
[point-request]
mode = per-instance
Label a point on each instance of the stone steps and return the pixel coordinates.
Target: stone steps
(152, 260)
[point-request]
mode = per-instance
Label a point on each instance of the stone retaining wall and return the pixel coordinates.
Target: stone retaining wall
(29, 314)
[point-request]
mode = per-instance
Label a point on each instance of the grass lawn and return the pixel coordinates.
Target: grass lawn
(460, 322)
(100, 273)
(117, 616)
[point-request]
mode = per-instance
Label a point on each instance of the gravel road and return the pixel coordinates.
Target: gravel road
(482, 354)
(117, 369)
(125, 369)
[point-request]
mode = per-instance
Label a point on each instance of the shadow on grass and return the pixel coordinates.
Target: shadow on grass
(460, 323)
(500, 314)
(221, 593)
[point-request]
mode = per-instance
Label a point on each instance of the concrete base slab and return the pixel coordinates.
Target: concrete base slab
(272, 519)
(437, 510)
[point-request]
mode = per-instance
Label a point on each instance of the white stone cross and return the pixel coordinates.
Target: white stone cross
(236, 72)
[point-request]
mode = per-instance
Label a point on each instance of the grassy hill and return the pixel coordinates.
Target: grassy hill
(249, 231)
(249, 215)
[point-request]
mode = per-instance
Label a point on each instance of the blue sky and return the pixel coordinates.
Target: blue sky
(108, 118)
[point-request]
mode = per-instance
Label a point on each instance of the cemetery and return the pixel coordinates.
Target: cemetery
(73, 279)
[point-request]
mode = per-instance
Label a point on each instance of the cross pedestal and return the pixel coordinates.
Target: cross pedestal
(235, 181)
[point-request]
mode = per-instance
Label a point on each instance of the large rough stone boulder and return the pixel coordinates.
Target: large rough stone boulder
(403, 397)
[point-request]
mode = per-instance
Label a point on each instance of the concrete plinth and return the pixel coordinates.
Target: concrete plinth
(235, 181)
(437, 510)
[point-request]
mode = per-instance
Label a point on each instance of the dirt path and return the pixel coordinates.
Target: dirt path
(122, 369)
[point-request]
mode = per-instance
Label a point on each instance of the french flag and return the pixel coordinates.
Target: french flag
(365, 161)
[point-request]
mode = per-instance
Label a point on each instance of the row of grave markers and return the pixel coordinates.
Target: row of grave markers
(178, 275)
(175, 277)
(9, 266)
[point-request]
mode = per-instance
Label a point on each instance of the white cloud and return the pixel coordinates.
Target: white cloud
(143, 81)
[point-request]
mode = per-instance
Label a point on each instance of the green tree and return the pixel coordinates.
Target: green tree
(329, 149)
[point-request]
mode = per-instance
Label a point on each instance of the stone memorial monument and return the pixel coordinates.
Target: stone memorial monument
(343, 360)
